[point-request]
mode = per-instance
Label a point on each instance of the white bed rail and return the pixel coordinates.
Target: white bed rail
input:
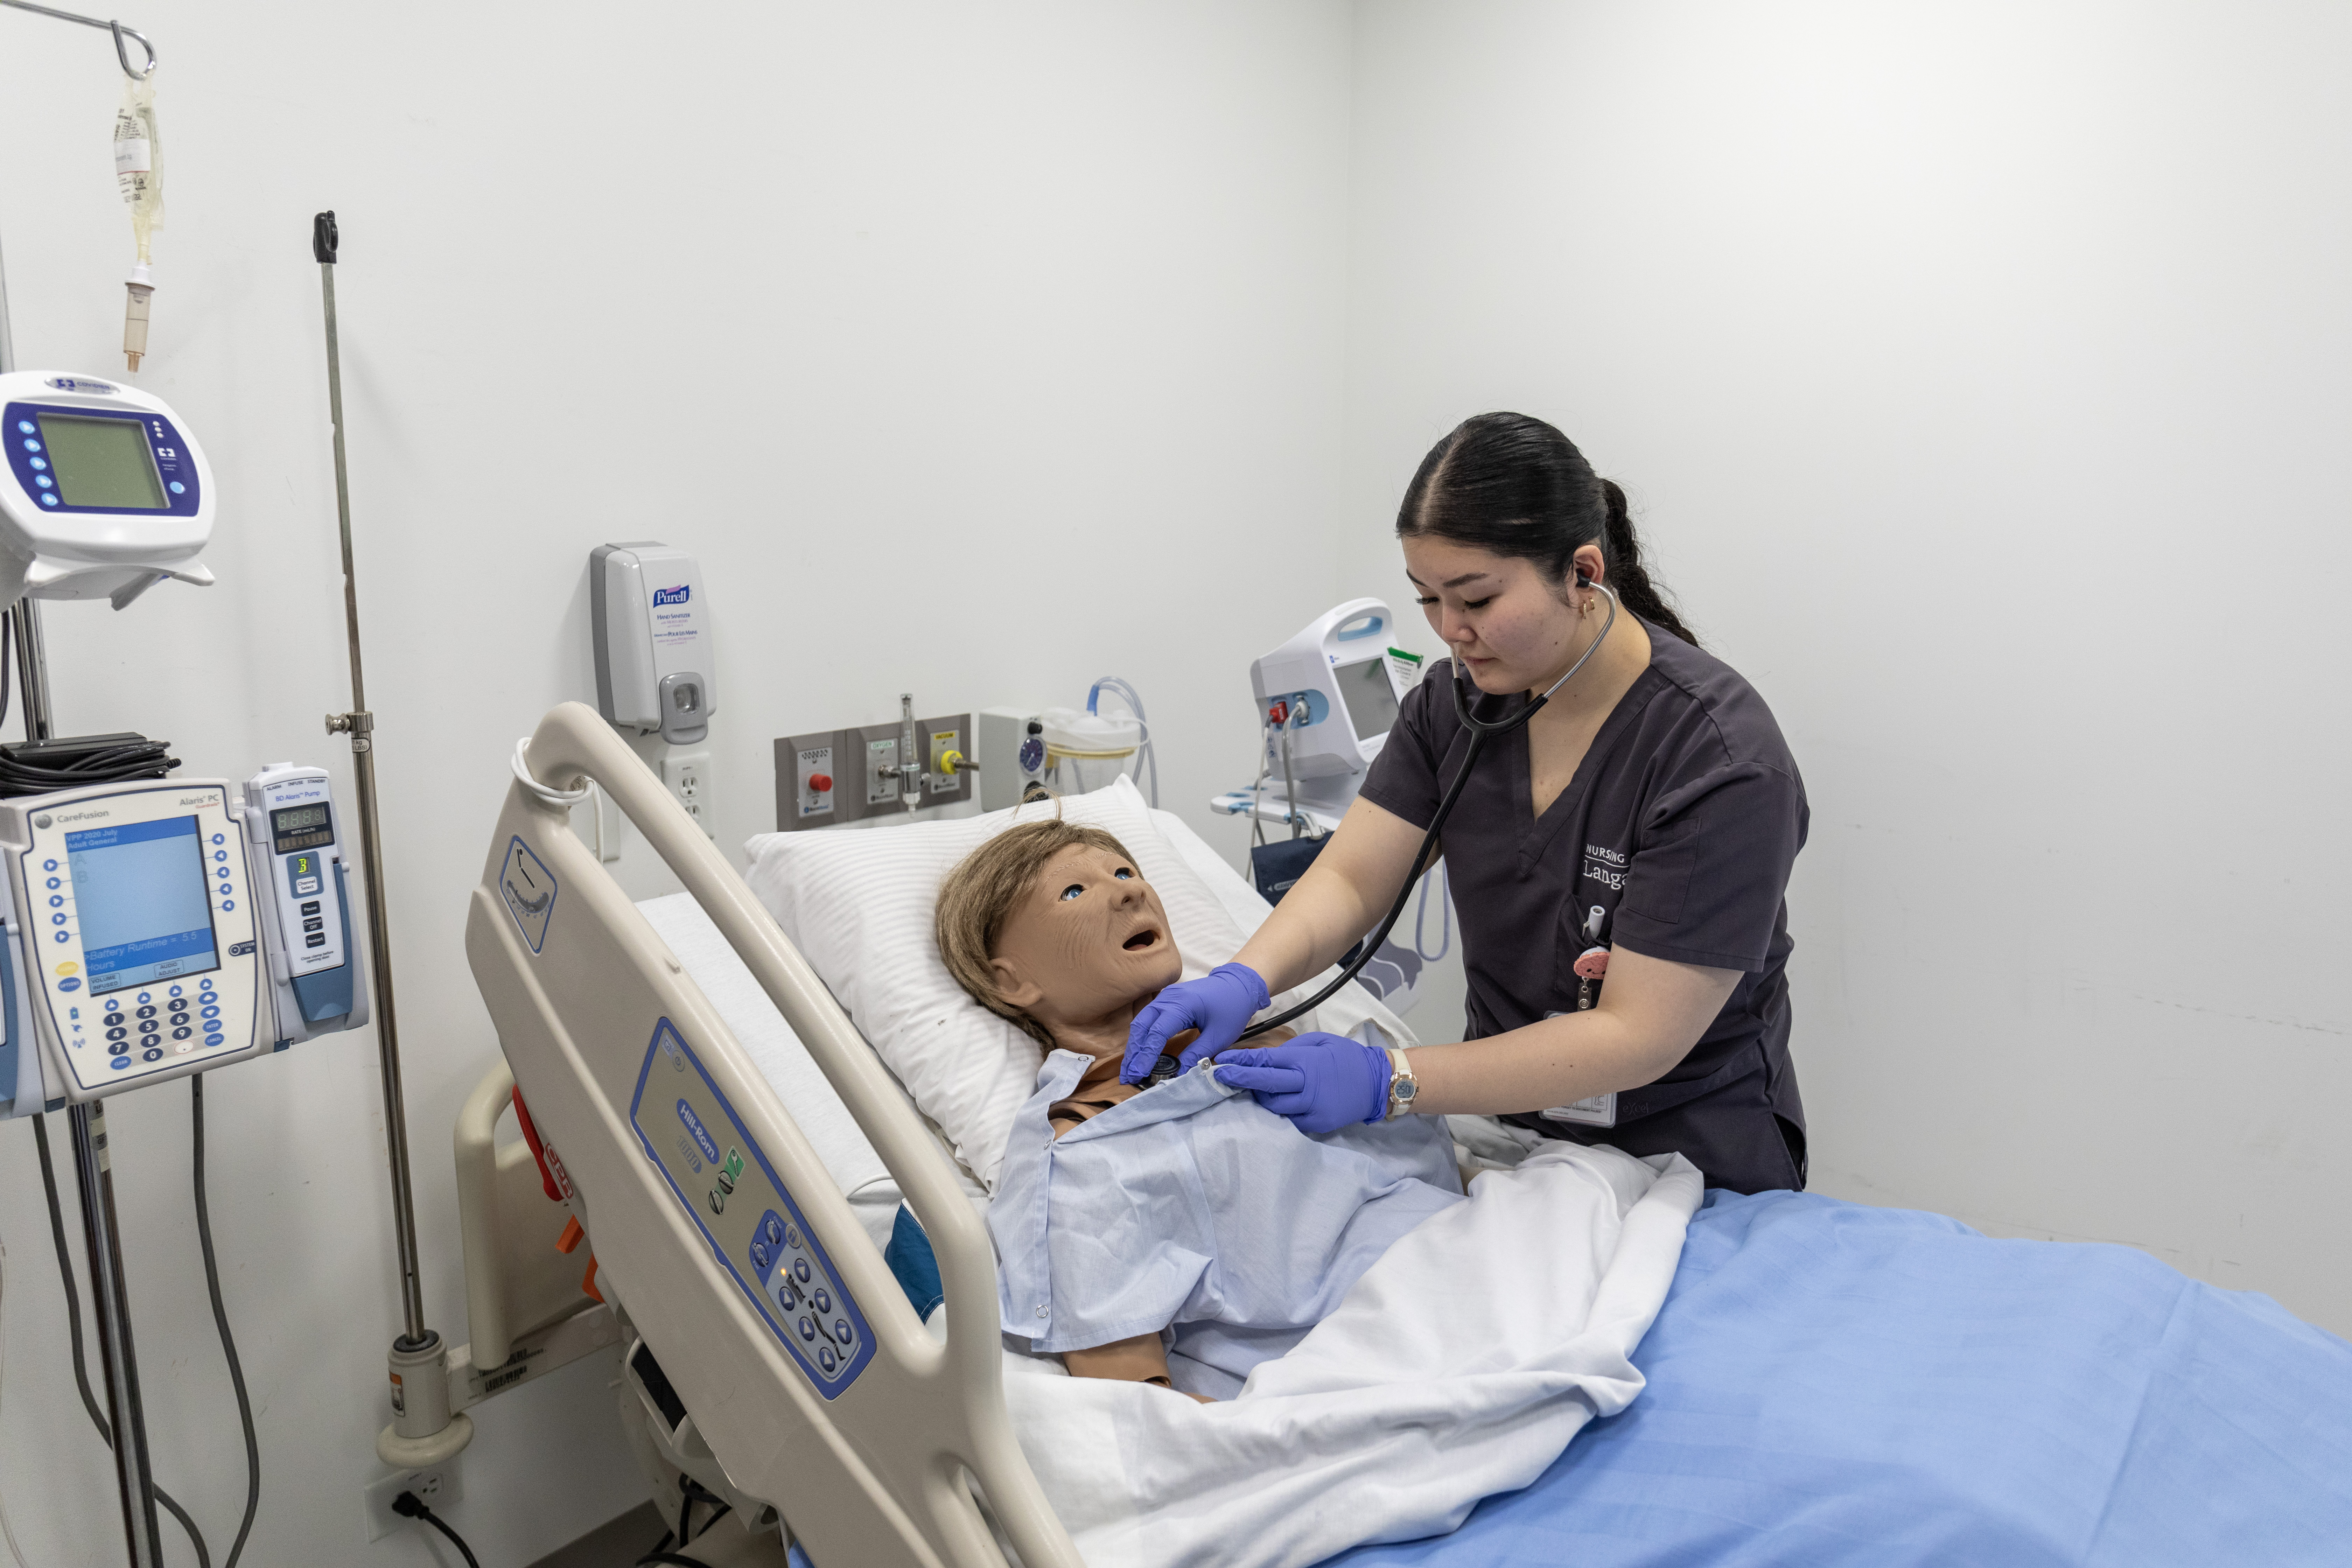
(581, 987)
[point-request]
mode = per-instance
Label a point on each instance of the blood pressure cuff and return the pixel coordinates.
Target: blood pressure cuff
(1275, 867)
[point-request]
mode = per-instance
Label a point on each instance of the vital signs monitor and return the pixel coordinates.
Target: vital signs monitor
(1332, 692)
(104, 494)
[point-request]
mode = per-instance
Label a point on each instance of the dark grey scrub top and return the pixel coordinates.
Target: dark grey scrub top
(1681, 825)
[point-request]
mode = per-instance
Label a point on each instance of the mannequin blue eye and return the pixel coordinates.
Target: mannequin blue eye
(1124, 875)
(1072, 892)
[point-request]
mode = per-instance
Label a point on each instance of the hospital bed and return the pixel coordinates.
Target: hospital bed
(1826, 1383)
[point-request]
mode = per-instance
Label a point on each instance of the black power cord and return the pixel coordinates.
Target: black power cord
(408, 1505)
(73, 1322)
(220, 1320)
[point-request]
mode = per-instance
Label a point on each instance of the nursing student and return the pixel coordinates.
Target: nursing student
(1619, 860)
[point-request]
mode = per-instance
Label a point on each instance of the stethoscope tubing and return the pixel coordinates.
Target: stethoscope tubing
(1481, 731)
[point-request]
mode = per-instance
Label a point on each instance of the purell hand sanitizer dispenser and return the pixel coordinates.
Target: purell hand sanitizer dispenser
(652, 627)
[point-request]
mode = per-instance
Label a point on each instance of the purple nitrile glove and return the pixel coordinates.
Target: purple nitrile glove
(1220, 1004)
(1322, 1082)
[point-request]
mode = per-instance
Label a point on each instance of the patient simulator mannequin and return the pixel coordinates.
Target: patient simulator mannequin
(1051, 926)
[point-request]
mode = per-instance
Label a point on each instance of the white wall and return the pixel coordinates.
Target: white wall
(976, 350)
(1978, 371)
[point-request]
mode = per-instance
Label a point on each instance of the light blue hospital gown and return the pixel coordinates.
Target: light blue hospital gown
(1194, 1207)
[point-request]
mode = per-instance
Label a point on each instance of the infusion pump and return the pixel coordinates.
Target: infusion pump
(162, 927)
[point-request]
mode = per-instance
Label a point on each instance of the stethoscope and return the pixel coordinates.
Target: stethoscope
(1481, 731)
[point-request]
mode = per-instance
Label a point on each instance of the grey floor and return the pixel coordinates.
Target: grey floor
(616, 1544)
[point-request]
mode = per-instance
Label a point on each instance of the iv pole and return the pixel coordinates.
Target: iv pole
(422, 1430)
(93, 1167)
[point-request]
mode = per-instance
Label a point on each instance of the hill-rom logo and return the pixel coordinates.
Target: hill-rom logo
(82, 383)
(677, 596)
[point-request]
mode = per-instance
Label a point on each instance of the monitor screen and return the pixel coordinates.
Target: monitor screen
(1372, 700)
(103, 462)
(295, 827)
(144, 902)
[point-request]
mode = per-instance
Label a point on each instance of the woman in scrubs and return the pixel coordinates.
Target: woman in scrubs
(1618, 862)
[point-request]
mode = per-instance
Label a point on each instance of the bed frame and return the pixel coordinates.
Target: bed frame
(876, 1444)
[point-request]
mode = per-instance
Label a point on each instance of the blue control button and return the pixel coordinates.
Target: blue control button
(118, 1033)
(26, 426)
(48, 864)
(759, 1256)
(220, 837)
(786, 1297)
(205, 984)
(808, 1329)
(225, 890)
(65, 936)
(118, 1063)
(212, 1012)
(56, 901)
(46, 482)
(38, 462)
(801, 1270)
(68, 985)
(178, 488)
(226, 906)
(219, 854)
(824, 1358)
(146, 996)
(151, 1055)
(48, 500)
(175, 990)
(824, 1302)
(57, 919)
(792, 1238)
(775, 1231)
(841, 1331)
(31, 445)
(55, 883)
(214, 1039)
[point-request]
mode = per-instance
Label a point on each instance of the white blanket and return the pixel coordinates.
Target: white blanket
(1458, 1367)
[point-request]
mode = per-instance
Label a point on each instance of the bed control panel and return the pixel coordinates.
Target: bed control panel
(725, 1184)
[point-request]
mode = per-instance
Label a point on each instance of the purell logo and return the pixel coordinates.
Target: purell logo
(677, 596)
(82, 383)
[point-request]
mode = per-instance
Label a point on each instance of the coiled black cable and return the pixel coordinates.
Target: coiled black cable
(124, 757)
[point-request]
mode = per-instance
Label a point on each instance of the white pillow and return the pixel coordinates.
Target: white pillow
(858, 905)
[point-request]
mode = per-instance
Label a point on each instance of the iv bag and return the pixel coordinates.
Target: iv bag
(139, 159)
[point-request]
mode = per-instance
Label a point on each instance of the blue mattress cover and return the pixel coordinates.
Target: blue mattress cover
(1830, 1384)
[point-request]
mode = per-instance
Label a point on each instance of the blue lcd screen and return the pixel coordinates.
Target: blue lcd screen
(143, 901)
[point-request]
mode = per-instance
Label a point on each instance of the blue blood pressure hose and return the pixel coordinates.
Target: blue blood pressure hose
(1481, 731)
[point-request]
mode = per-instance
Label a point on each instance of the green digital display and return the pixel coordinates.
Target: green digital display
(103, 462)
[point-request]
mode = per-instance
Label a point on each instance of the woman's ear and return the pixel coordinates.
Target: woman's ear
(1589, 564)
(1013, 988)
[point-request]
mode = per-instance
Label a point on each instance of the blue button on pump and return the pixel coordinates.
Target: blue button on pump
(32, 446)
(214, 1039)
(146, 997)
(824, 1302)
(48, 500)
(801, 1270)
(48, 864)
(68, 985)
(65, 936)
(219, 854)
(226, 906)
(808, 1329)
(152, 1055)
(26, 426)
(57, 919)
(178, 488)
(824, 1359)
(212, 1012)
(118, 1063)
(56, 901)
(841, 1331)
(45, 482)
(40, 465)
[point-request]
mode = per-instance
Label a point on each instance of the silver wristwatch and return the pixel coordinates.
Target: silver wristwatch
(1403, 1088)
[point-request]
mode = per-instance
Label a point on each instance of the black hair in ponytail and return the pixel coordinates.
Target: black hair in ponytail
(1513, 485)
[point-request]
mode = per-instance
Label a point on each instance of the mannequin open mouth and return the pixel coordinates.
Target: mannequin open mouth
(1141, 940)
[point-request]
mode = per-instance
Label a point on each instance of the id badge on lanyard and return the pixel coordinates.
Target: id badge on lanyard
(1595, 1109)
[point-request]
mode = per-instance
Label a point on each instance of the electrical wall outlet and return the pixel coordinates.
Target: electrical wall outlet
(689, 778)
(436, 1488)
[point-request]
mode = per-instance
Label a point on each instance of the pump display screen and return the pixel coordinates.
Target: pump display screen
(143, 901)
(103, 462)
(299, 827)
(1370, 699)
